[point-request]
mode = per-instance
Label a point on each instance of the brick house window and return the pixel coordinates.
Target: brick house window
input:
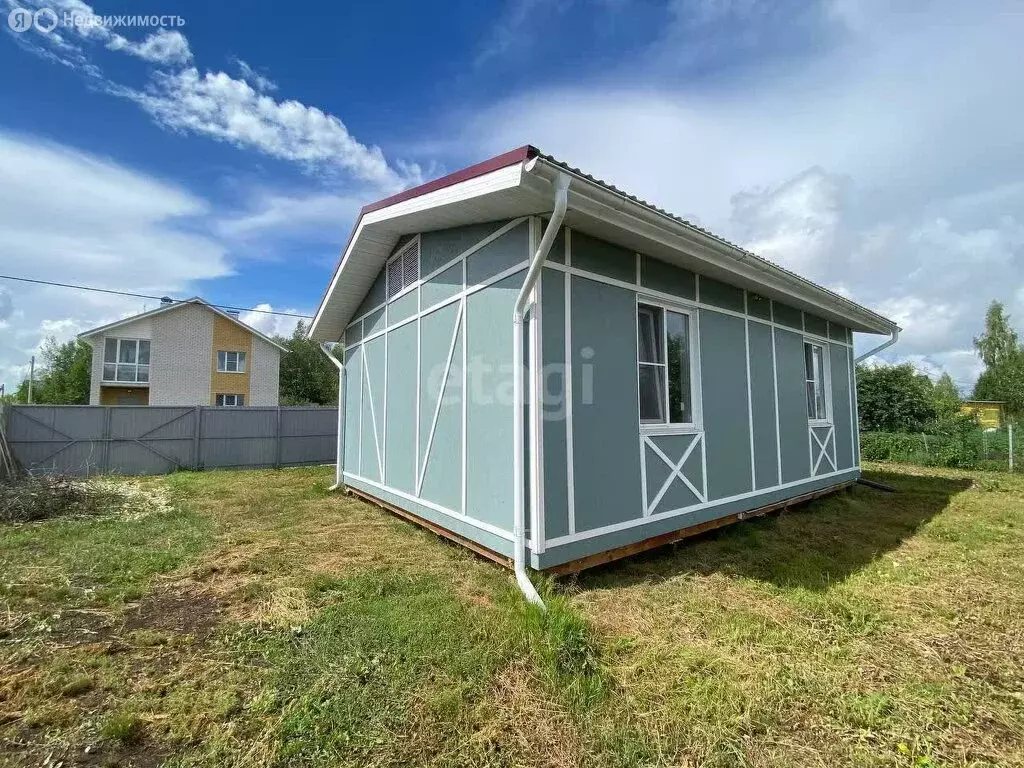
(126, 360)
(231, 362)
(230, 400)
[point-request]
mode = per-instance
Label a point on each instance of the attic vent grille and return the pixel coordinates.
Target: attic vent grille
(411, 263)
(394, 277)
(404, 268)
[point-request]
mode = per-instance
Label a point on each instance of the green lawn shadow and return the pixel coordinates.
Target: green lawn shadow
(813, 546)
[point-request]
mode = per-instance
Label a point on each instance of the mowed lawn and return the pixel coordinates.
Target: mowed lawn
(259, 620)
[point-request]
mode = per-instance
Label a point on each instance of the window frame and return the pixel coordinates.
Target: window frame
(241, 358)
(220, 400)
(826, 379)
(118, 364)
(697, 417)
(398, 255)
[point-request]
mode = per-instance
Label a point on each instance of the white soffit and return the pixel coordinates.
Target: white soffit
(489, 197)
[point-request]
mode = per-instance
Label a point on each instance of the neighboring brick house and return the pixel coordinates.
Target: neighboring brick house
(183, 353)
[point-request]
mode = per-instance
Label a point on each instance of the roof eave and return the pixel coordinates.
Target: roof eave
(590, 196)
(593, 197)
(423, 195)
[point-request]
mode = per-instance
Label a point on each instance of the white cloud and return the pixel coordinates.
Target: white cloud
(221, 107)
(68, 42)
(796, 224)
(6, 307)
(77, 218)
(516, 26)
(214, 104)
(161, 47)
(882, 159)
(317, 216)
(272, 325)
(258, 81)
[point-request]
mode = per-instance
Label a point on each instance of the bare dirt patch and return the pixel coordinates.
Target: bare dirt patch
(183, 612)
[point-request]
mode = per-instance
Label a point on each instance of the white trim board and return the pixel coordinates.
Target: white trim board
(460, 314)
(459, 331)
(675, 472)
(570, 461)
(657, 295)
(538, 542)
(373, 415)
(653, 293)
(500, 179)
(823, 453)
(750, 395)
(500, 532)
(595, 200)
(683, 511)
(444, 267)
(469, 291)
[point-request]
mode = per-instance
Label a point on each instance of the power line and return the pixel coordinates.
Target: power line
(146, 296)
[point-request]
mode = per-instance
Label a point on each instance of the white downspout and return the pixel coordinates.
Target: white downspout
(893, 338)
(523, 303)
(339, 472)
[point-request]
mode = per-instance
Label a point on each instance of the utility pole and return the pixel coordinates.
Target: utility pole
(31, 377)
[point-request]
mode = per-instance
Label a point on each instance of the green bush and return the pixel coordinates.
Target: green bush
(891, 446)
(956, 443)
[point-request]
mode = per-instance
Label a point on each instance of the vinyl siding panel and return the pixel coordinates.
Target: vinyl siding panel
(606, 423)
(726, 418)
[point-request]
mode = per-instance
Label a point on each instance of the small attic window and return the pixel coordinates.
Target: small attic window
(404, 268)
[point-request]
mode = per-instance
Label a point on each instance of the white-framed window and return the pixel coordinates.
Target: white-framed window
(667, 367)
(819, 406)
(126, 360)
(230, 400)
(231, 362)
(403, 269)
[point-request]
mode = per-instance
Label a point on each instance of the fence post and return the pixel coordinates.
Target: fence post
(1010, 427)
(197, 437)
(105, 464)
(277, 440)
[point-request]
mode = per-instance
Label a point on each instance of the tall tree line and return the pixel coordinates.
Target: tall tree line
(1001, 352)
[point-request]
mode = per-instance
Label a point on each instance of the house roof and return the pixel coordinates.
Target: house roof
(519, 183)
(169, 307)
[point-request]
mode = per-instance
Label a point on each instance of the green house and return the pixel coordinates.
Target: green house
(556, 373)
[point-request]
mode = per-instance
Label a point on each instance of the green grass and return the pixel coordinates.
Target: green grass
(124, 727)
(105, 560)
(263, 621)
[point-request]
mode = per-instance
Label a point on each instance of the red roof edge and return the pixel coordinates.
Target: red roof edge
(519, 155)
(501, 161)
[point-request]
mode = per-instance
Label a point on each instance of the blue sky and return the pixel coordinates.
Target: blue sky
(873, 150)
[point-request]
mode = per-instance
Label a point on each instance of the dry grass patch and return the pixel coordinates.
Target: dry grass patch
(516, 721)
(867, 629)
(262, 621)
(280, 530)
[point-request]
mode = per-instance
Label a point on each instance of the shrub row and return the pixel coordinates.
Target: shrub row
(965, 448)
